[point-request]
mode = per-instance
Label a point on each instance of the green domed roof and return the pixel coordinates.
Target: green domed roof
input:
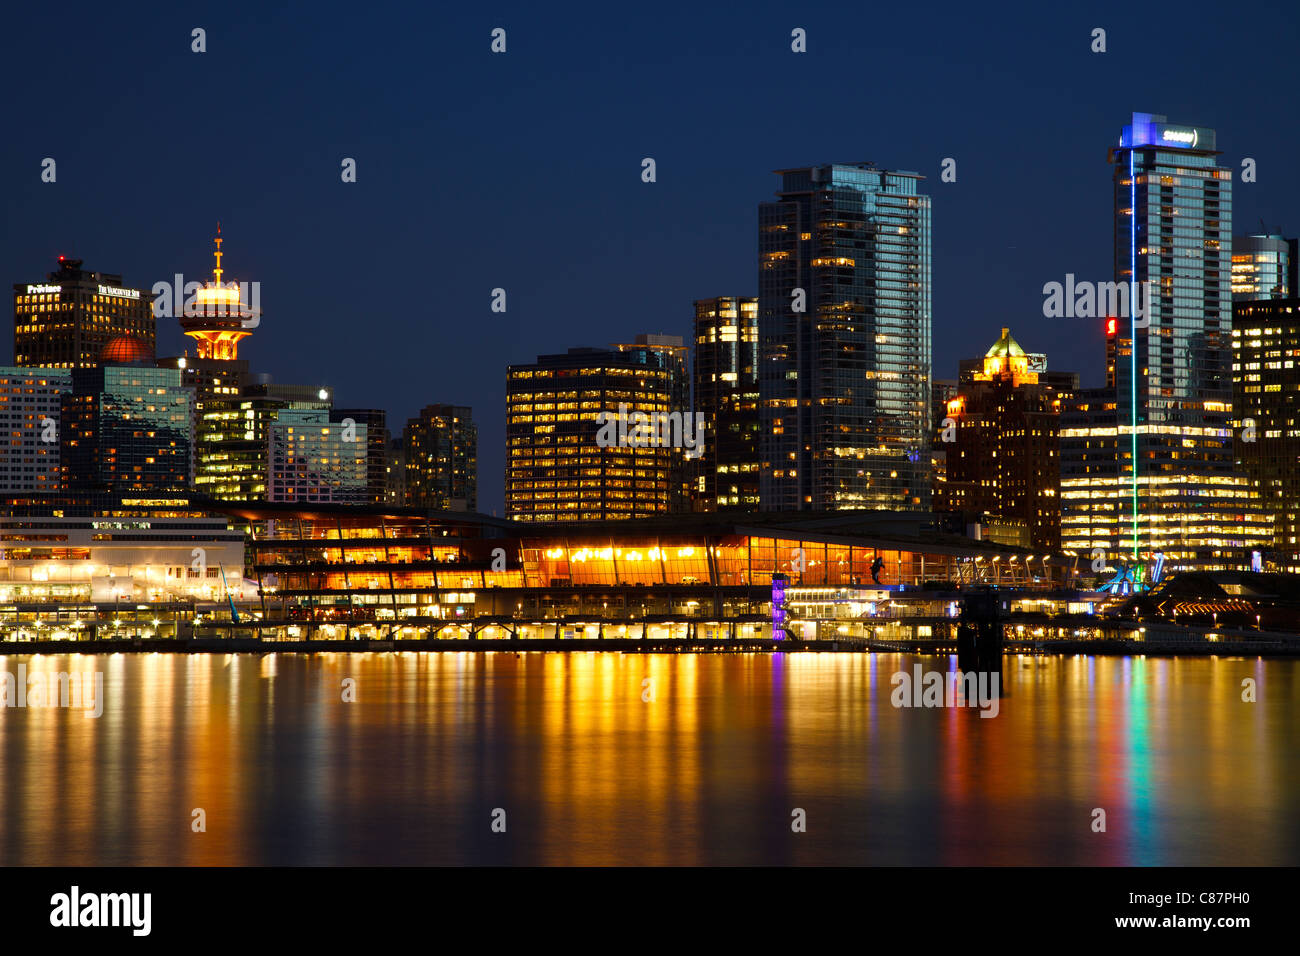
(1005, 346)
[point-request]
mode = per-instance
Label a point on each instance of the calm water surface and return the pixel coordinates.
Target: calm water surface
(707, 772)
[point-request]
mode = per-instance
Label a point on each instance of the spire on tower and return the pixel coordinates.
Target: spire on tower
(216, 272)
(218, 318)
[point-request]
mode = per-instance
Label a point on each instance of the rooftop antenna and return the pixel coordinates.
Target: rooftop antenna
(216, 272)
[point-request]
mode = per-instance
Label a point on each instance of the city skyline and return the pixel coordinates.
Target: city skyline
(690, 436)
(688, 236)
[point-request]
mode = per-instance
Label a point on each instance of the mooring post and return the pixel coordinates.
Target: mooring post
(979, 633)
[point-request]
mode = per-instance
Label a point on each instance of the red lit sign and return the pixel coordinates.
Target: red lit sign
(1110, 326)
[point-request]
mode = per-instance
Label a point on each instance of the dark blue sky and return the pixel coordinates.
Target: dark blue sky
(522, 170)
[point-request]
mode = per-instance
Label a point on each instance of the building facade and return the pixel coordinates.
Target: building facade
(233, 436)
(589, 435)
(395, 472)
(670, 352)
(1002, 462)
(1266, 404)
(127, 429)
(844, 340)
(1263, 267)
(377, 441)
(441, 458)
(336, 573)
(65, 321)
(313, 459)
(1148, 470)
(725, 476)
(31, 402)
(120, 567)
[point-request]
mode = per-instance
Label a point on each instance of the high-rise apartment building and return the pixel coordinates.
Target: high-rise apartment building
(589, 434)
(1266, 406)
(66, 321)
(725, 476)
(441, 459)
(30, 403)
(1263, 267)
(844, 311)
(1147, 463)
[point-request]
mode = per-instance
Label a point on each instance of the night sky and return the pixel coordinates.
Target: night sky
(523, 170)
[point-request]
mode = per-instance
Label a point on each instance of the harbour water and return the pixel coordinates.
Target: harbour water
(678, 759)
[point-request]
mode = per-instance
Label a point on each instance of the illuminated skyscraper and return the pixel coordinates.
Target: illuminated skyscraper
(441, 459)
(844, 340)
(1266, 406)
(557, 468)
(725, 476)
(671, 352)
(127, 428)
(66, 321)
(1147, 464)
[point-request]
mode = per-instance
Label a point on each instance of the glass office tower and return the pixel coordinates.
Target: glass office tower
(1172, 489)
(233, 437)
(125, 429)
(844, 340)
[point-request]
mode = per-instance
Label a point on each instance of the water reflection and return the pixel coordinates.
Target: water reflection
(706, 769)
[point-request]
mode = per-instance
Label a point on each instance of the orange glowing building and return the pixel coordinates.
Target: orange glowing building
(1002, 449)
(219, 318)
